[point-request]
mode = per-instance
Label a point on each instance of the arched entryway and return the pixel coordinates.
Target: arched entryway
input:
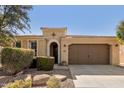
(54, 51)
(56, 46)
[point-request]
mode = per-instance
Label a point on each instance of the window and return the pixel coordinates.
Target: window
(18, 44)
(33, 45)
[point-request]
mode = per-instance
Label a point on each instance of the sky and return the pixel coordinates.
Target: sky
(79, 20)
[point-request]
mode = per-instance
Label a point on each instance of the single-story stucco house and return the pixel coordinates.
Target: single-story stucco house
(73, 49)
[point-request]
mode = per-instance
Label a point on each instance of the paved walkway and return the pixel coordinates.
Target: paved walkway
(97, 76)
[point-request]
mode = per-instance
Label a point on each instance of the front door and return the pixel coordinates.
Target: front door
(54, 51)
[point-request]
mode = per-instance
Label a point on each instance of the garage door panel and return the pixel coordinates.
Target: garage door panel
(98, 54)
(89, 54)
(82, 55)
(73, 54)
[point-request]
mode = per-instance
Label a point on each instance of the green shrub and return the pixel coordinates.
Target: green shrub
(19, 84)
(53, 82)
(45, 63)
(14, 60)
(34, 63)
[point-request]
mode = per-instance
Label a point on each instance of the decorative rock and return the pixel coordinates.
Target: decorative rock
(29, 77)
(40, 79)
(61, 77)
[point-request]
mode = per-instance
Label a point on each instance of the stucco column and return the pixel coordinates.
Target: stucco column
(64, 51)
(25, 44)
(115, 54)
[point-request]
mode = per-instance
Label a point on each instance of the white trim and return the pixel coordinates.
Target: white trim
(48, 48)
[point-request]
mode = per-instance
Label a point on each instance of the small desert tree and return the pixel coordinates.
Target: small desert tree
(120, 32)
(13, 18)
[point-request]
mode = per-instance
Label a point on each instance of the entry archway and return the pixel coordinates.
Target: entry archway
(53, 49)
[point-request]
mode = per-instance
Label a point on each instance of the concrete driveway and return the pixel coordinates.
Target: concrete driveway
(97, 76)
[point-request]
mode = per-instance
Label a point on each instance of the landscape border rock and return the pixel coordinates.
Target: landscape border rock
(61, 77)
(40, 79)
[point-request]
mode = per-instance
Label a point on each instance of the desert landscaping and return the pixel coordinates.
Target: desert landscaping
(34, 75)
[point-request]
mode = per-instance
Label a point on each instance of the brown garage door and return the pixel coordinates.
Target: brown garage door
(89, 54)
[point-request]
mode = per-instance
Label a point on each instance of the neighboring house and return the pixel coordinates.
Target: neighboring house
(72, 49)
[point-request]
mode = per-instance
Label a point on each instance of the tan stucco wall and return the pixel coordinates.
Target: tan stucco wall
(42, 47)
(63, 41)
(59, 32)
(114, 50)
(122, 55)
(41, 43)
(44, 41)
